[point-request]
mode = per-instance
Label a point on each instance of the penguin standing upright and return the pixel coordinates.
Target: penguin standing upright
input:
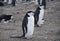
(38, 16)
(39, 13)
(28, 25)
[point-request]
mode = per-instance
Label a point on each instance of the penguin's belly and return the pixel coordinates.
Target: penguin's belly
(30, 26)
(41, 15)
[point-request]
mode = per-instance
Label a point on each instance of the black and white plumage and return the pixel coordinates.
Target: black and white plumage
(28, 25)
(38, 16)
(6, 18)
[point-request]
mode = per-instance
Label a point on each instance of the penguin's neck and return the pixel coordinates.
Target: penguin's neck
(42, 7)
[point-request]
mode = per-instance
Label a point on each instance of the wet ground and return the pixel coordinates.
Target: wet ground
(50, 31)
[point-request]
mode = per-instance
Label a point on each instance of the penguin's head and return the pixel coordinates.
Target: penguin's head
(30, 13)
(38, 8)
(41, 7)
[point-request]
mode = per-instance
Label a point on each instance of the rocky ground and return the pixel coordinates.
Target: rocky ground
(50, 31)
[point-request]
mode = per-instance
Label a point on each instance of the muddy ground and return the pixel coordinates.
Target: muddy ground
(50, 31)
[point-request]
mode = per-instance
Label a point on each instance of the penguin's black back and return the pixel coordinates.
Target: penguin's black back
(25, 21)
(37, 12)
(36, 15)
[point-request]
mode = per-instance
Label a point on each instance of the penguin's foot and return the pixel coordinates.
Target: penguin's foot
(40, 22)
(36, 25)
(30, 37)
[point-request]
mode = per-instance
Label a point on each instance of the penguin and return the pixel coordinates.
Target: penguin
(38, 16)
(28, 25)
(6, 18)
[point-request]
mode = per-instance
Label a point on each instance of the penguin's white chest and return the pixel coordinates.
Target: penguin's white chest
(41, 15)
(31, 22)
(30, 26)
